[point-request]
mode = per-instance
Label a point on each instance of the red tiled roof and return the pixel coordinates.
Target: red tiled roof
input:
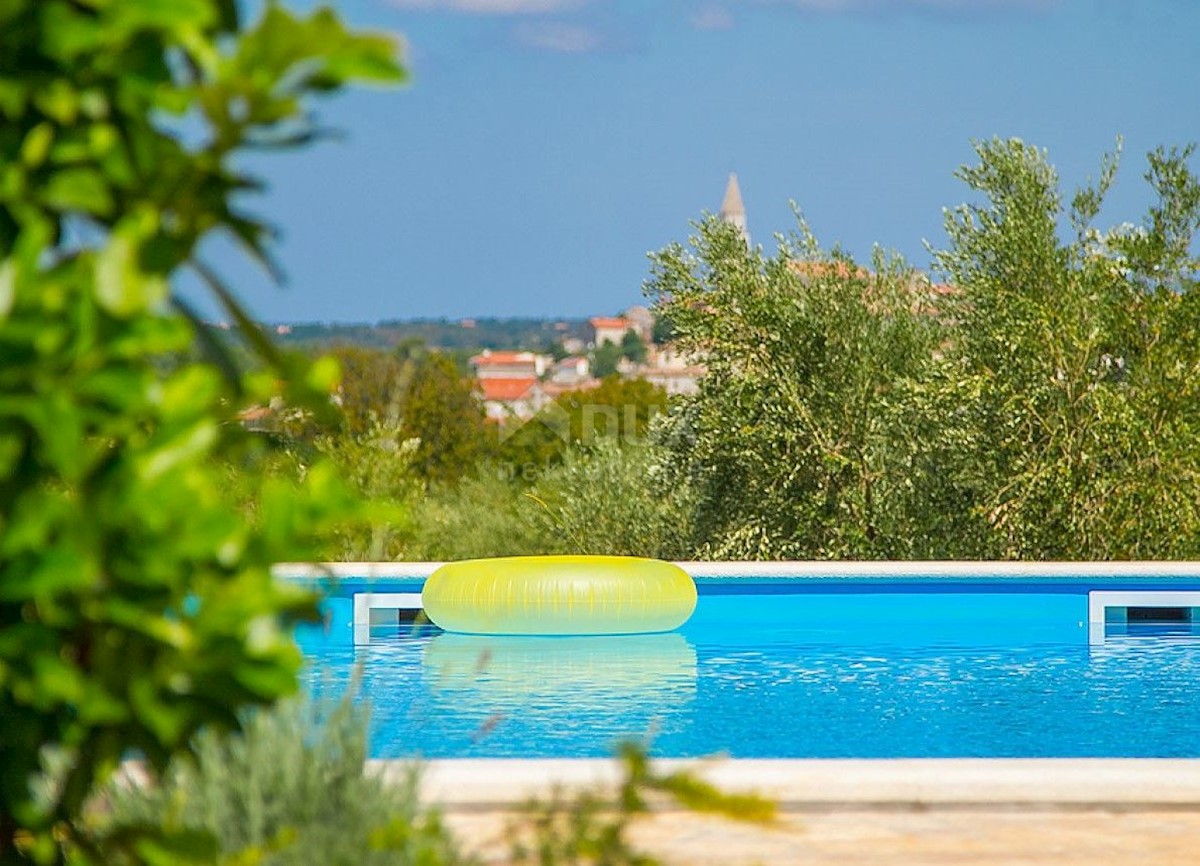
(824, 269)
(506, 388)
(489, 357)
(608, 322)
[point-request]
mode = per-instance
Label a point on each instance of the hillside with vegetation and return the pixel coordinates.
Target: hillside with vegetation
(535, 334)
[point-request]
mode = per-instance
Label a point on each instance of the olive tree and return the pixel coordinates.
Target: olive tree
(136, 606)
(788, 446)
(1074, 360)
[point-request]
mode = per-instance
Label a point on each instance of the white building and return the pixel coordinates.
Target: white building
(608, 329)
(572, 370)
(509, 383)
(490, 364)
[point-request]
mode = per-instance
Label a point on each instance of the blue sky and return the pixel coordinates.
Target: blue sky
(544, 146)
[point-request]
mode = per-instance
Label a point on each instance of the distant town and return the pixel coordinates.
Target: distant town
(519, 383)
(521, 365)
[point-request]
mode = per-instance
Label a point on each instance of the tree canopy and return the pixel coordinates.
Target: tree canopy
(1039, 404)
(136, 604)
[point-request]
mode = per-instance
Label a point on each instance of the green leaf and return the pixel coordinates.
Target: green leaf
(57, 681)
(179, 16)
(254, 238)
(99, 706)
(59, 100)
(78, 189)
(8, 287)
(36, 145)
(171, 847)
(11, 448)
(324, 374)
(267, 679)
(70, 32)
(189, 392)
(61, 569)
(12, 97)
(121, 287)
(367, 58)
(58, 426)
(163, 718)
(180, 449)
(165, 629)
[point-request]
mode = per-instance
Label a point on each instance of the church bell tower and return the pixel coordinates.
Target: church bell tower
(732, 210)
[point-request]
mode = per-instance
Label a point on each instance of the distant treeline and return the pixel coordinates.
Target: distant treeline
(488, 333)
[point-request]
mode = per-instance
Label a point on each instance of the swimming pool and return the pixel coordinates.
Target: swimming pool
(854, 663)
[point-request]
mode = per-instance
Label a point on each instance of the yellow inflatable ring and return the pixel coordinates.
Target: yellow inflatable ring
(554, 595)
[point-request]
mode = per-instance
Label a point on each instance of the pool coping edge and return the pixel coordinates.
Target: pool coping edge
(805, 784)
(878, 569)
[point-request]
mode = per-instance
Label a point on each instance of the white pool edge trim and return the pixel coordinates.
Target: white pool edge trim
(872, 569)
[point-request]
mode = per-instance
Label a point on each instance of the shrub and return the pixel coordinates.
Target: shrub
(483, 515)
(613, 499)
(290, 790)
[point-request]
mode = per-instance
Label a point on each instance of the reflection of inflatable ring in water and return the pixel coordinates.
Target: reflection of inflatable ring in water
(558, 595)
(620, 673)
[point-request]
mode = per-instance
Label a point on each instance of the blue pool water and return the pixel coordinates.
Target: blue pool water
(789, 670)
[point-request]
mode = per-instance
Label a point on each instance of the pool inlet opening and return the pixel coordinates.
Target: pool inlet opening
(1142, 612)
(1160, 615)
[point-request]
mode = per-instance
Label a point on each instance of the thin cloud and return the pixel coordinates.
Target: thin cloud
(489, 7)
(558, 37)
(712, 18)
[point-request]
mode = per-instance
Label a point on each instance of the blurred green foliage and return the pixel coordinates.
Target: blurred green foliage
(591, 827)
(291, 791)
(377, 465)
(137, 605)
(612, 499)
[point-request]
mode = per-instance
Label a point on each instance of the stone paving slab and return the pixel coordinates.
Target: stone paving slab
(982, 837)
(901, 813)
